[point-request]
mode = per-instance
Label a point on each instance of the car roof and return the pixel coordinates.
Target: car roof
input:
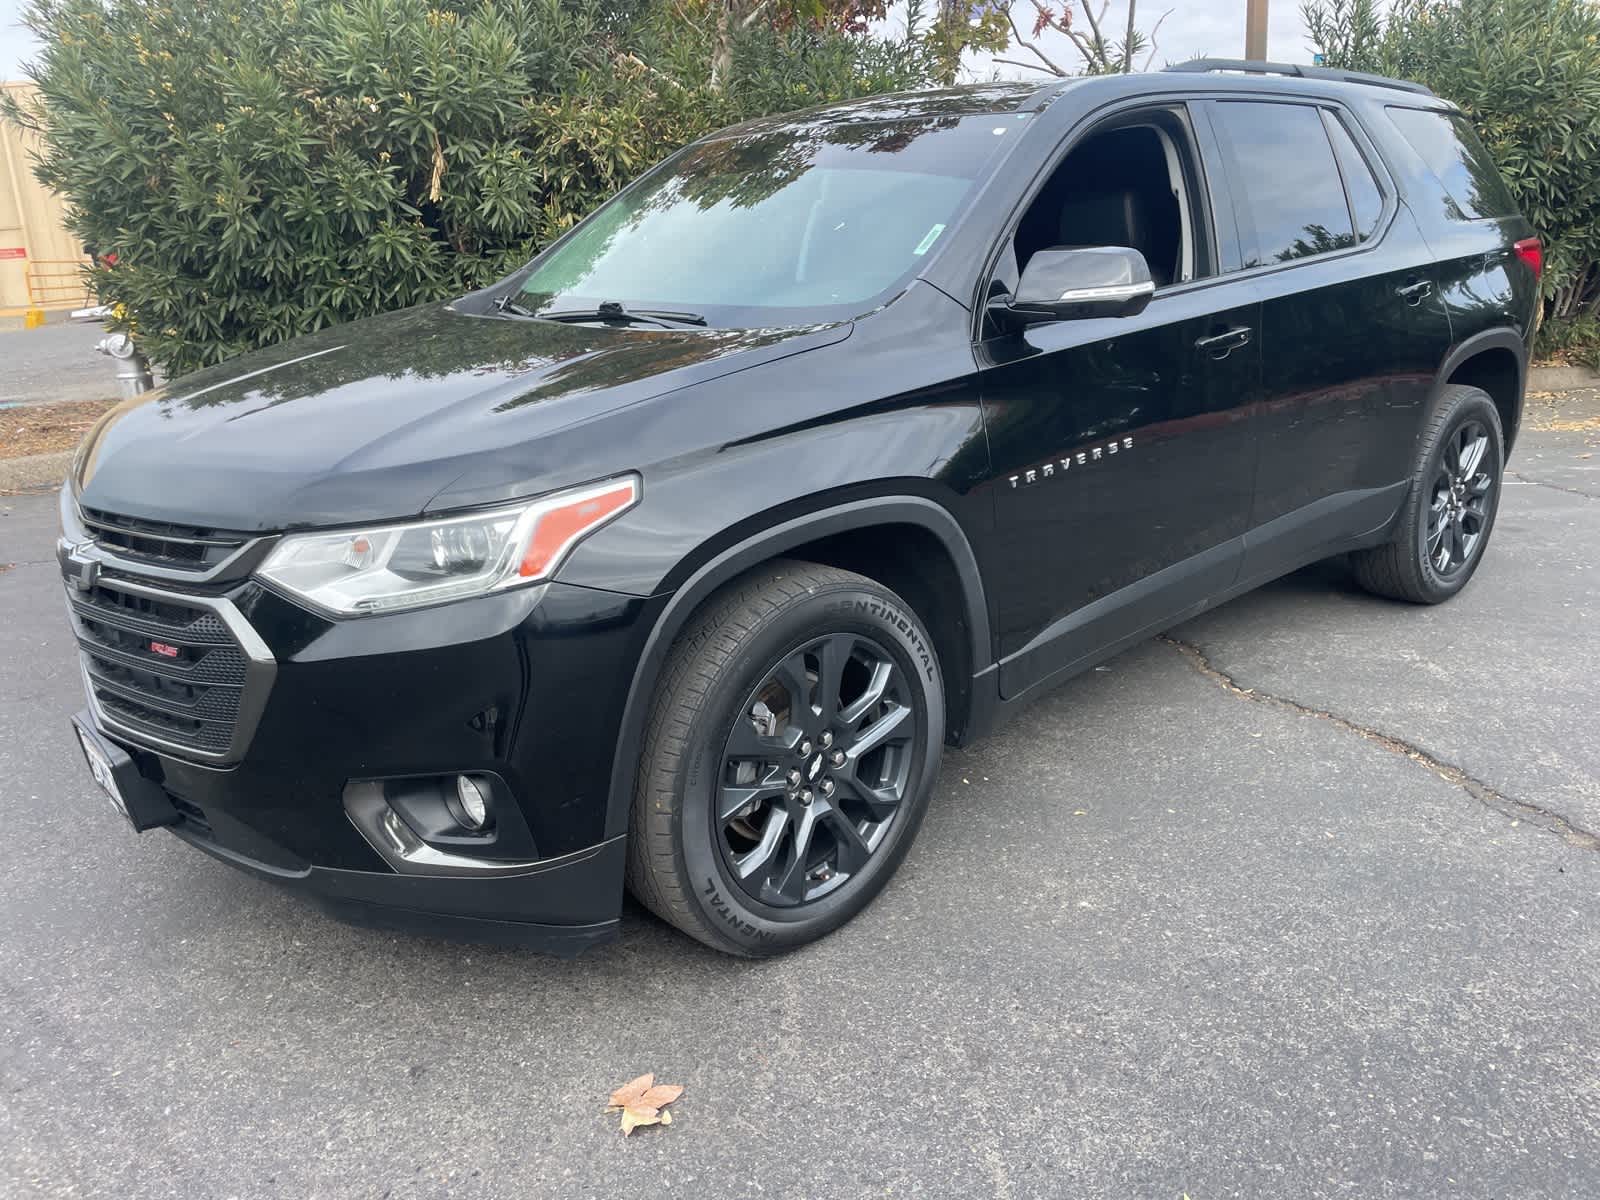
(1233, 76)
(1023, 96)
(965, 100)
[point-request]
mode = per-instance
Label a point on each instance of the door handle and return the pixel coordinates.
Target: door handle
(1415, 293)
(1219, 345)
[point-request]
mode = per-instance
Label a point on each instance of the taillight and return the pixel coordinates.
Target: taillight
(1530, 251)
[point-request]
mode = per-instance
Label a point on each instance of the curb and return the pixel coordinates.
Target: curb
(34, 471)
(1560, 379)
(20, 320)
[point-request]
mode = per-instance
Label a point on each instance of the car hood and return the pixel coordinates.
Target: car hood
(373, 420)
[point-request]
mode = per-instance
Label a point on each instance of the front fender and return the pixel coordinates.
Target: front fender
(732, 560)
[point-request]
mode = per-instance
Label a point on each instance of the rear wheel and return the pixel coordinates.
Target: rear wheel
(789, 758)
(1449, 512)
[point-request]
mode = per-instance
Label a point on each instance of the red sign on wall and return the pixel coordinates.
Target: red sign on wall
(13, 252)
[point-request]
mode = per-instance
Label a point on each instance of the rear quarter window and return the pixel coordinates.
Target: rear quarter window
(1447, 144)
(1366, 197)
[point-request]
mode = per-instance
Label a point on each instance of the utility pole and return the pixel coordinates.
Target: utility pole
(1255, 29)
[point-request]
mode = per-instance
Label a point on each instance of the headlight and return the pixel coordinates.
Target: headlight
(386, 567)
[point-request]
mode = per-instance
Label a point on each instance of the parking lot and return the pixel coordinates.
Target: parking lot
(1301, 900)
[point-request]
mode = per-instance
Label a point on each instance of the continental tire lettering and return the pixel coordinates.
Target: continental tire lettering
(730, 918)
(899, 620)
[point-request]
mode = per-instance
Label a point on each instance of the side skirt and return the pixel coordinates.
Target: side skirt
(1298, 539)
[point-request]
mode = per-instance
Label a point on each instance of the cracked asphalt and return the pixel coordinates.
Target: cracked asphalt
(1298, 901)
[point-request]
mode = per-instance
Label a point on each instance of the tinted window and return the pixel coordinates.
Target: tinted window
(1286, 177)
(1366, 201)
(1118, 187)
(808, 222)
(1455, 155)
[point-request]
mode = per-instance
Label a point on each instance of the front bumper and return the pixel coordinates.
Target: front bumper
(561, 906)
(525, 687)
(551, 907)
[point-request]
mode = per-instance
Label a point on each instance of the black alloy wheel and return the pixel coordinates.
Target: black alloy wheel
(1463, 498)
(814, 770)
(1439, 536)
(791, 752)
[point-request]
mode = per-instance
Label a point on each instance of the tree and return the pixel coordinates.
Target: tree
(1527, 74)
(821, 16)
(1100, 55)
(1346, 32)
(265, 170)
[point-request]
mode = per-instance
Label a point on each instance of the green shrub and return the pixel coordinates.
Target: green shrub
(1527, 73)
(264, 170)
(1575, 340)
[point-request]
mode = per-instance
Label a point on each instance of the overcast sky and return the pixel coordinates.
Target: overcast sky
(1196, 27)
(16, 43)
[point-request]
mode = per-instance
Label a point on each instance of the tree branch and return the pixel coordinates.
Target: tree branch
(662, 75)
(1155, 29)
(683, 16)
(1094, 24)
(1127, 45)
(1079, 42)
(1029, 46)
(1017, 62)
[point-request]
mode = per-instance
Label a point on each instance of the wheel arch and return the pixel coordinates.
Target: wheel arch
(835, 535)
(1496, 361)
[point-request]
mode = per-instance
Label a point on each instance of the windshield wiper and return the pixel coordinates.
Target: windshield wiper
(507, 305)
(610, 310)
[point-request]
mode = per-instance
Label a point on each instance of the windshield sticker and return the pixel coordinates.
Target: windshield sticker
(925, 243)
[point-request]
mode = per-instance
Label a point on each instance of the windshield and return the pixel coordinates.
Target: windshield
(808, 223)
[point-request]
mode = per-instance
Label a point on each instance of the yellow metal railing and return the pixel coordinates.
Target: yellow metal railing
(58, 283)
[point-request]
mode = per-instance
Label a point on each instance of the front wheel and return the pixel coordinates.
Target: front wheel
(1449, 511)
(790, 754)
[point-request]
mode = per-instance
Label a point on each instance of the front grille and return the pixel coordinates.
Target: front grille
(166, 668)
(159, 543)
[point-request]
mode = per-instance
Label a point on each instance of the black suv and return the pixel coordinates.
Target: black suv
(676, 557)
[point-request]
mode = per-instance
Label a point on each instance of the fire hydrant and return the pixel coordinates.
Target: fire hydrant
(133, 368)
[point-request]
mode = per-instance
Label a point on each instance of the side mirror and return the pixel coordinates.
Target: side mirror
(1063, 285)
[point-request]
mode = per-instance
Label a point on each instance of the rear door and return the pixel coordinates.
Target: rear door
(1352, 326)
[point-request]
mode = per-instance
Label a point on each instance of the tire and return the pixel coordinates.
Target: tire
(1408, 566)
(768, 638)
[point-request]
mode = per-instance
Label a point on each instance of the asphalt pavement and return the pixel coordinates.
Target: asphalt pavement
(1300, 901)
(55, 362)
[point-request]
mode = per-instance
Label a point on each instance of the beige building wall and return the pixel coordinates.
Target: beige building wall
(38, 257)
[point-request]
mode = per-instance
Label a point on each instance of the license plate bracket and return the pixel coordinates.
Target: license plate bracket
(144, 804)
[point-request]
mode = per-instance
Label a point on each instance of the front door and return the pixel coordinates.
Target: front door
(1123, 449)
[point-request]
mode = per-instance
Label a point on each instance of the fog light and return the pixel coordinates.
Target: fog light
(474, 801)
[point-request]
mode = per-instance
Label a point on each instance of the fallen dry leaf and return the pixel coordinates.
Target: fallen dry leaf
(661, 1095)
(631, 1091)
(636, 1115)
(642, 1101)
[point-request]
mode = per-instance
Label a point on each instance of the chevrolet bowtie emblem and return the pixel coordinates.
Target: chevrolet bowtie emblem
(79, 569)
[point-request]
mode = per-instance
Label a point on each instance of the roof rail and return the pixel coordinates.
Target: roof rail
(1250, 66)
